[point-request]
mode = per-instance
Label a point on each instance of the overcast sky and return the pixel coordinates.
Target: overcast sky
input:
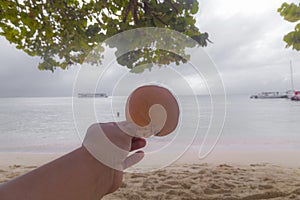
(247, 49)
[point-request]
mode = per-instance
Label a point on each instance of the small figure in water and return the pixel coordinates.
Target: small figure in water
(118, 114)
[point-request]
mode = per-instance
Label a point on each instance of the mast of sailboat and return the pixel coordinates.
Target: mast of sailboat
(292, 76)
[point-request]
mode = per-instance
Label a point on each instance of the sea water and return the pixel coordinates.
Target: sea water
(48, 125)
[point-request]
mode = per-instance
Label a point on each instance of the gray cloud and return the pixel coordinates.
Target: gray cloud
(247, 48)
(19, 75)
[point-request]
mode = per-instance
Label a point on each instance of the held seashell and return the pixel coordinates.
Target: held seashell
(153, 109)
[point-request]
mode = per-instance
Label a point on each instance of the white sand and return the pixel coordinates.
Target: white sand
(275, 176)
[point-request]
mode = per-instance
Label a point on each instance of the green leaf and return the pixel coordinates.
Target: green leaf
(62, 33)
(291, 13)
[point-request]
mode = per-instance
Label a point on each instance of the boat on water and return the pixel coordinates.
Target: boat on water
(296, 97)
(92, 95)
(269, 95)
(290, 94)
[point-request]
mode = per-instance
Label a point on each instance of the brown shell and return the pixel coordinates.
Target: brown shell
(141, 100)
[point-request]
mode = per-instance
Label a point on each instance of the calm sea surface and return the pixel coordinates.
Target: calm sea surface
(47, 124)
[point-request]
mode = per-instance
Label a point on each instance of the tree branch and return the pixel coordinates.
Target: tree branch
(172, 5)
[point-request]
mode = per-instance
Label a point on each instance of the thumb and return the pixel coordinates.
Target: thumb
(133, 159)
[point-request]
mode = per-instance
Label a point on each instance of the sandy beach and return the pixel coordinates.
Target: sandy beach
(207, 181)
(187, 180)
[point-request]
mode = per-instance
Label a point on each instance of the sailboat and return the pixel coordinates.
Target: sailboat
(296, 94)
(290, 94)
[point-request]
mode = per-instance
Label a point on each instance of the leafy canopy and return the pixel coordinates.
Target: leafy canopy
(64, 32)
(291, 13)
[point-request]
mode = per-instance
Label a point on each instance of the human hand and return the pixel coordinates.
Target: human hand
(110, 145)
